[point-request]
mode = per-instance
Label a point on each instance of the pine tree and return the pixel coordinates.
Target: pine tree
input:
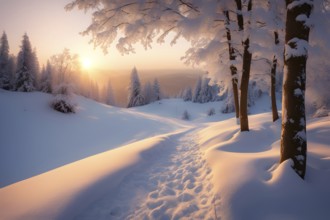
(205, 93)
(5, 75)
(135, 97)
(197, 91)
(156, 88)
(26, 67)
(46, 79)
(187, 94)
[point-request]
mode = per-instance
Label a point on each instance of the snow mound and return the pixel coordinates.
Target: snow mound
(249, 179)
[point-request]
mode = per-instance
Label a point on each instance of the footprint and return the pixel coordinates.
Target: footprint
(153, 195)
(185, 197)
(198, 189)
(155, 204)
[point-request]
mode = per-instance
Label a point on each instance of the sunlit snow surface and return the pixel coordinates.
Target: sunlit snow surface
(147, 163)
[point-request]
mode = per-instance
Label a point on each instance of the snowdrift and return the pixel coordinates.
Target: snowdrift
(36, 139)
(66, 191)
(250, 182)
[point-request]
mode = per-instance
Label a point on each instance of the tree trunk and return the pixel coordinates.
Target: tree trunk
(293, 138)
(273, 82)
(247, 56)
(233, 68)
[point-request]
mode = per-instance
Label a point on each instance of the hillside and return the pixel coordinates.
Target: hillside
(146, 162)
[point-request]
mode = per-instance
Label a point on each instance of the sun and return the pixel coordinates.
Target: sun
(86, 63)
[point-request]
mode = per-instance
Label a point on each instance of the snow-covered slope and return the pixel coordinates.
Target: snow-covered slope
(36, 139)
(145, 162)
(251, 183)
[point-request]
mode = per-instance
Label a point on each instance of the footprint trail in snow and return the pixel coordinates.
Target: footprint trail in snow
(176, 187)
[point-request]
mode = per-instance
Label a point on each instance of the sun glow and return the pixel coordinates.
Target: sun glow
(86, 63)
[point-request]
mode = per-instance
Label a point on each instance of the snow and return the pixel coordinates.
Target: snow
(55, 139)
(297, 3)
(147, 163)
(296, 48)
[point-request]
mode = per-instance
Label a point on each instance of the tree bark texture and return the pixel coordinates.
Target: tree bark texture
(273, 82)
(247, 57)
(293, 138)
(233, 69)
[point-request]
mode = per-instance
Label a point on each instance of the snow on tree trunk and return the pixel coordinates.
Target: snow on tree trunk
(293, 137)
(233, 69)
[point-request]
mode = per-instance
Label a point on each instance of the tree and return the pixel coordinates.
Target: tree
(5, 75)
(197, 90)
(46, 79)
(26, 67)
(206, 91)
(156, 91)
(65, 67)
(273, 81)
(135, 97)
(110, 99)
(187, 94)
(293, 137)
(196, 21)
(247, 57)
(232, 58)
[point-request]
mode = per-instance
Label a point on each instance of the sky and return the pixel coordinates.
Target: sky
(51, 29)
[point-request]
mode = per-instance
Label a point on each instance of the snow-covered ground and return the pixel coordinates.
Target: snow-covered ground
(147, 163)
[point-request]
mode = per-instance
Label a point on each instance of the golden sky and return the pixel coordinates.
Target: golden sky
(51, 29)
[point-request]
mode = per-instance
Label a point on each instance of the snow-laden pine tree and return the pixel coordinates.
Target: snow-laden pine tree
(293, 139)
(46, 79)
(25, 80)
(135, 97)
(187, 94)
(156, 91)
(206, 92)
(5, 74)
(197, 90)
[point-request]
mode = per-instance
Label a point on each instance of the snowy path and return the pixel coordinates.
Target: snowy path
(177, 186)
